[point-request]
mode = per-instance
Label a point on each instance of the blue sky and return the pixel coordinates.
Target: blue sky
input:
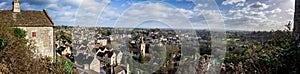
(235, 14)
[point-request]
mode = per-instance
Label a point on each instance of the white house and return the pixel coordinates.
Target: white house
(116, 58)
(102, 41)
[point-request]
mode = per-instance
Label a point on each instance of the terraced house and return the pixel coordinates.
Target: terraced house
(37, 23)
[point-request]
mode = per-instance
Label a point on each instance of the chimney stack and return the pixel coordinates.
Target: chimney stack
(16, 6)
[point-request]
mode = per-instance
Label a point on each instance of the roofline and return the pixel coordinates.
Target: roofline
(48, 16)
(30, 26)
(26, 25)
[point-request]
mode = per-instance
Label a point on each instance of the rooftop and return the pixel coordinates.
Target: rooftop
(26, 18)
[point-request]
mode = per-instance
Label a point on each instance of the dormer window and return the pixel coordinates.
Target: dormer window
(33, 34)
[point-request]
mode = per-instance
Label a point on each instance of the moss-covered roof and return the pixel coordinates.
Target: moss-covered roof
(26, 18)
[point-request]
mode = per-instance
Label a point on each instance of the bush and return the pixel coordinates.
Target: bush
(3, 42)
(67, 65)
(19, 33)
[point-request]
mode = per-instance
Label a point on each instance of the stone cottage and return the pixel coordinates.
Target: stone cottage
(37, 24)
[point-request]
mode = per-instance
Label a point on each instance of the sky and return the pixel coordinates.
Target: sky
(191, 14)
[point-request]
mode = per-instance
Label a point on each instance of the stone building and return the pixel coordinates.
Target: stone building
(143, 47)
(37, 24)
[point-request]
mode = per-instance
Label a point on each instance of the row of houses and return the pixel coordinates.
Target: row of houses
(110, 59)
(142, 40)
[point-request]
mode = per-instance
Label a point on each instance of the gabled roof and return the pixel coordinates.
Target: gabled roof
(26, 18)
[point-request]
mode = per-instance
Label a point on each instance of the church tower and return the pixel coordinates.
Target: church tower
(16, 6)
(143, 47)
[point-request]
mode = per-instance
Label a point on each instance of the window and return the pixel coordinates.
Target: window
(33, 34)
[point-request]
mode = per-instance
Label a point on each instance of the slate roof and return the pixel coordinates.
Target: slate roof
(26, 18)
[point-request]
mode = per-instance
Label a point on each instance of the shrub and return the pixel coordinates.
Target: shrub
(19, 33)
(67, 65)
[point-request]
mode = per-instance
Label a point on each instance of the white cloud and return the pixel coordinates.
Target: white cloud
(277, 10)
(253, 13)
(187, 13)
(252, 23)
(89, 11)
(53, 6)
(43, 3)
(73, 3)
(83, 13)
(213, 18)
(260, 16)
(201, 5)
(239, 13)
(290, 11)
(239, 4)
(141, 12)
(65, 11)
(108, 17)
(258, 5)
(229, 2)
(26, 6)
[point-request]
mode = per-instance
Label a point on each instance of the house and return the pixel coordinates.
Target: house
(116, 57)
(102, 41)
(95, 65)
(124, 69)
(119, 70)
(37, 23)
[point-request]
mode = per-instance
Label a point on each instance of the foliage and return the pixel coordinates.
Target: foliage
(3, 42)
(276, 55)
(19, 33)
(168, 65)
(5, 34)
(171, 50)
(106, 32)
(67, 65)
(64, 36)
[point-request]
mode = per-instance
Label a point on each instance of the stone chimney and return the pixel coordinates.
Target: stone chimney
(16, 6)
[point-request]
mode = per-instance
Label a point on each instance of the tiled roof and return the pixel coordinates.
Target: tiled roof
(26, 18)
(118, 69)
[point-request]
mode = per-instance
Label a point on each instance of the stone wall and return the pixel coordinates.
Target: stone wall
(43, 40)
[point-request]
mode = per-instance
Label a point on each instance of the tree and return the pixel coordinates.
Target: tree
(288, 26)
(296, 30)
(61, 35)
